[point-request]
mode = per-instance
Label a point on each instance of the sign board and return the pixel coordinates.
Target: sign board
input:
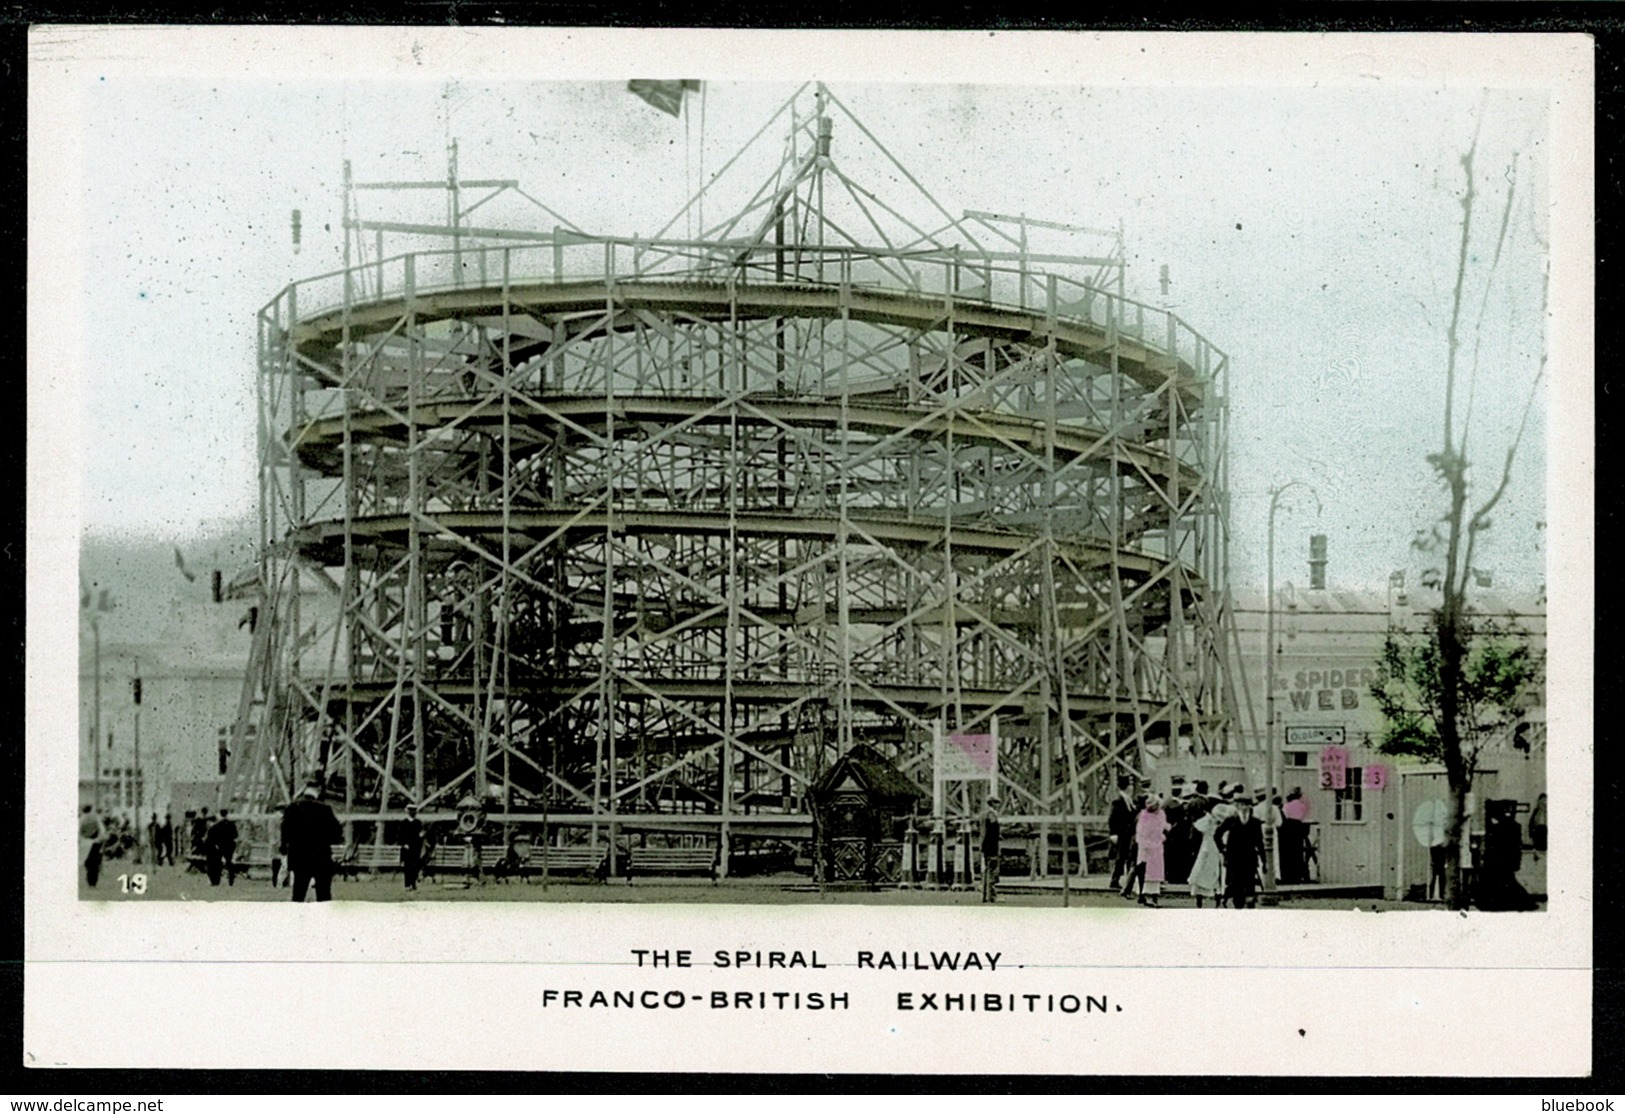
(966, 756)
(1334, 768)
(1314, 736)
(1376, 776)
(963, 756)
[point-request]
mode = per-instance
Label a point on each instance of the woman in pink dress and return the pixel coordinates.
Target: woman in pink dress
(1149, 830)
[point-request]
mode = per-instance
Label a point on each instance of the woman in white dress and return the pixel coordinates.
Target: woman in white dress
(1204, 879)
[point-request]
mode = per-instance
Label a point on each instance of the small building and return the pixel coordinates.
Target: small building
(1373, 817)
(861, 808)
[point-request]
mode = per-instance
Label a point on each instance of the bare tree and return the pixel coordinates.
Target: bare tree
(1455, 682)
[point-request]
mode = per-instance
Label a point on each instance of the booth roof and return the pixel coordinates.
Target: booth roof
(873, 771)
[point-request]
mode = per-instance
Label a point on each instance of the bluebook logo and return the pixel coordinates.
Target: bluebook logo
(1554, 1106)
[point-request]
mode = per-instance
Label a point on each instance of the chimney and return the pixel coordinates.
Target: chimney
(1317, 562)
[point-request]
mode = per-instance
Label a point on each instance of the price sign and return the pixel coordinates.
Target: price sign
(1376, 776)
(1334, 768)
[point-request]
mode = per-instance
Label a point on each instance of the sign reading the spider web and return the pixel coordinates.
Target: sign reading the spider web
(963, 756)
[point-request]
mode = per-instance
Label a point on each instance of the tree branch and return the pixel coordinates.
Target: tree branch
(1455, 308)
(1478, 521)
(1484, 302)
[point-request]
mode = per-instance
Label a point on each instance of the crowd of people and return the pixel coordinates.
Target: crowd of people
(1212, 843)
(308, 830)
(114, 836)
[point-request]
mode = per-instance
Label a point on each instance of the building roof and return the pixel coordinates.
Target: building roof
(1291, 599)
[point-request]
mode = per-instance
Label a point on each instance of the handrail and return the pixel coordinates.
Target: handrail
(965, 275)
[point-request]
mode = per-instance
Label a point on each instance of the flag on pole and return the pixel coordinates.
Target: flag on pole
(180, 563)
(667, 96)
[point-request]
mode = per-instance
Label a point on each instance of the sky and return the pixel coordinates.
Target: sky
(1310, 232)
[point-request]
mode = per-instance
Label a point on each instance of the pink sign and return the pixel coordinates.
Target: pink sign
(978, 748)
(1334, 768)
(1376, 776)
(962, 756)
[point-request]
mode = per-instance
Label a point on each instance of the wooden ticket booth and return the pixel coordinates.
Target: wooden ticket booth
(861, 809)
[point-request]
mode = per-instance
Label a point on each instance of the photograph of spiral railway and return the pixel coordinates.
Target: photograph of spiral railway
(840, 539)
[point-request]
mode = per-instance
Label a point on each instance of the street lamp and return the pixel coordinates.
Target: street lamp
(1272, 744)
(95, 606)
(140, 777)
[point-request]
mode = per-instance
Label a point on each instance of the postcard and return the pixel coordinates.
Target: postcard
(809, 551)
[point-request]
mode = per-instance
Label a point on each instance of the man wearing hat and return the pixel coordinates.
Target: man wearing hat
(309, 830)
(411, 847)
(91, 835)
(1120, 827)
(990, 852)
(220, 849)
(1179, 851)
(1241, 841)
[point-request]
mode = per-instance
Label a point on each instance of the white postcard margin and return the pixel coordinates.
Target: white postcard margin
(1270, 993)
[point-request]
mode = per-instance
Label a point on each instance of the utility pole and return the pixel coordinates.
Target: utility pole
(96, 732)
(1271, 741)
(140, 778)
(94, 603)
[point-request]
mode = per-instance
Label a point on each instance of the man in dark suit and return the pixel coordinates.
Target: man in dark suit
(220, 849)
(309, 830)
(1241, 841)
(411, 847)
(91, 835)
(990, 852)
(1176, 854)
(1120, 827)
(166, 839)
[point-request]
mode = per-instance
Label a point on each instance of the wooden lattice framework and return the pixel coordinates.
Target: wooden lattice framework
(644, 533)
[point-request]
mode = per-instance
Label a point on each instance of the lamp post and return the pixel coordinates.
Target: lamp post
(140, 778)
(93, 604)
(1271, 742)
(96, 733)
